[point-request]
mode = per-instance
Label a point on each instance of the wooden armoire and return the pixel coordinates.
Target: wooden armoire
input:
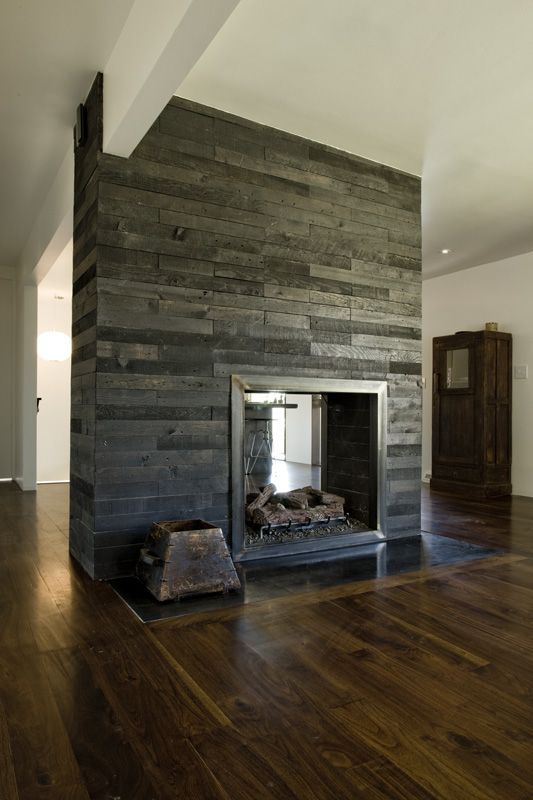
(472, 384)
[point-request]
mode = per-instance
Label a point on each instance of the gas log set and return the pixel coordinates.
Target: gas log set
(299, 509)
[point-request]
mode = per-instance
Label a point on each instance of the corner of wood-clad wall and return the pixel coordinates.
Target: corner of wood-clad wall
(222, 246)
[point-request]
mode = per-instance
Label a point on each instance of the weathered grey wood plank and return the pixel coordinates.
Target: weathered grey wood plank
(221, 247)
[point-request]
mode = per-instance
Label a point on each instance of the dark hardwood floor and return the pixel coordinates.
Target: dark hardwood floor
(413, 686)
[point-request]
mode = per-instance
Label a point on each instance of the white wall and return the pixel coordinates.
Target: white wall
(50, 235)
(298, 429)
(7, 321)
(25, 385)
(499, 292)
(53, 377)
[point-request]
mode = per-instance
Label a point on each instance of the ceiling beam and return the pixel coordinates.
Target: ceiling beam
(52, 228)
(154, 53)
(151, 57)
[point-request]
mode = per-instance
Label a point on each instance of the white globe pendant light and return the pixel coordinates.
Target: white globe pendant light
(54, 346)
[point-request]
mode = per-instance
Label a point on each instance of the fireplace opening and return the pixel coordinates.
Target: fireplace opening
(308, 464)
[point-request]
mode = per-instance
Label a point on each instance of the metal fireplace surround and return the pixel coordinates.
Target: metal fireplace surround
(240, 385)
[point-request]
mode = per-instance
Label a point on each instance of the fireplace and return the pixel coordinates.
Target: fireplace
(219, 251)
(338, 498)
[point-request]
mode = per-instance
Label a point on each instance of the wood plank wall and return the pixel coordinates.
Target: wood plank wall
(350, 460)
(224, 246)
(84, 303)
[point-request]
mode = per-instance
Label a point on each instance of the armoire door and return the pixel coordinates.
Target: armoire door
(457, 418)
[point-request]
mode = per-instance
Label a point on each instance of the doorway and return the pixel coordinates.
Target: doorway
(54, 327)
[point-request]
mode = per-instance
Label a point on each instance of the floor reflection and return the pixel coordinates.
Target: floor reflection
(286, 475)
(271, 578)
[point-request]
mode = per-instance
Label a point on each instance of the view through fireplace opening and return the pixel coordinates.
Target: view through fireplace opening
(306, 465)
(309, 465)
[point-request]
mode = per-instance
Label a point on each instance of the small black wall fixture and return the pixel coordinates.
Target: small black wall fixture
(80, 130)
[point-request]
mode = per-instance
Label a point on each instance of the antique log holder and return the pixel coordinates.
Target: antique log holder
(186, 557)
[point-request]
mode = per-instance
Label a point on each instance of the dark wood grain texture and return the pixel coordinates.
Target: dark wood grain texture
(8, 781)
(472, 424)
(416, 685)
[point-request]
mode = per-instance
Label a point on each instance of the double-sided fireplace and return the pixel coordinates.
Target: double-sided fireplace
(334, 496)
(226, 253)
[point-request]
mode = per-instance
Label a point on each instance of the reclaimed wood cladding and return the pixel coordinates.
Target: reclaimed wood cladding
(84, 304)
(223, 247)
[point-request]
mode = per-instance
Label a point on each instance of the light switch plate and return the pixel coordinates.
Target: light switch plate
(520, 372)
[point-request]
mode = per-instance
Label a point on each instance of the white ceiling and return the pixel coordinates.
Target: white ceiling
(440, 88)
(50, 51)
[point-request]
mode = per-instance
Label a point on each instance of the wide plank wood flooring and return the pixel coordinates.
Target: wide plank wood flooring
(412, 686)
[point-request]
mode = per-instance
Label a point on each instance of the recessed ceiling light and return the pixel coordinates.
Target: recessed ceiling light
(445, 251)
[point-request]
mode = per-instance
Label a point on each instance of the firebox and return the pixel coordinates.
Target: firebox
(332, 496)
